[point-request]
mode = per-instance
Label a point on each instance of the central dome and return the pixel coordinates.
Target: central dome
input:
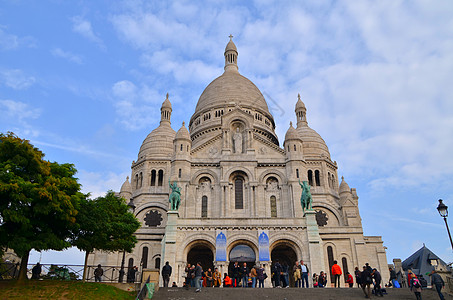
(231, 88)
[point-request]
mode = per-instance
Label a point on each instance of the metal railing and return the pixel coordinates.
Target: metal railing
(67, 272)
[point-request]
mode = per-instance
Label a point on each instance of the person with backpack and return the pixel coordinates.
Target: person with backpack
(366, 281)
(416, 287)
(377, 283)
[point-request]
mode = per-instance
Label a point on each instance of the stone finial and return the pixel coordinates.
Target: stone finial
(291, 123)
(342, 177)
(167, 96)
(231, 37)
(127, 177)
(183, 123)
(298, 96)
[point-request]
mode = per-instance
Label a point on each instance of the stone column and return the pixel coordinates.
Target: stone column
(267, 269)
(314, 243)
(168, 251)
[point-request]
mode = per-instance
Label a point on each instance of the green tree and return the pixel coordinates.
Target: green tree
(106, 224)
(38, 200)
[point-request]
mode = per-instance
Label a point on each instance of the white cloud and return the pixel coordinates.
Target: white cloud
(16, 79)
(84, 28)
(10, 41)
(98, 183)
(58, 52)
(136, 107)
(16, 110)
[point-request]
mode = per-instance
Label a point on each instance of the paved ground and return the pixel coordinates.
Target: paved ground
(285, 294)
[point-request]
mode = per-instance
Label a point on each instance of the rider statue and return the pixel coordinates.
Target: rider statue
(306, 199)
(175, 196)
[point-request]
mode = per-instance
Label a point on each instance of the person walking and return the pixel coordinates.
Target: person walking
(377, 283)
(198, 274)
(166, 273)
(98, 272)
(438, 283)
(366, 281)
(393, 277)
(304, 274)
(336, 273)
(416, 287)
(357, 276)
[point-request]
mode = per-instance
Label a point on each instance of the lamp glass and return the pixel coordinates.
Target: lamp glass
(443, 209)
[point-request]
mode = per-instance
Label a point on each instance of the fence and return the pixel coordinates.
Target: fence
(68, 272)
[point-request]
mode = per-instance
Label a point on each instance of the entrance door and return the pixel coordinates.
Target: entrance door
(286, 257)
(241, 254)
(203, 255)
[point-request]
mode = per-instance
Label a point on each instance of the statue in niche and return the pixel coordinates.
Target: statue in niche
(206, 185)
(305, 199)
(272, 185)
(237, 141)
(175, 196)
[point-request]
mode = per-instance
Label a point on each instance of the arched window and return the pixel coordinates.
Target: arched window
(295, 148)
(145, 257)
(153, 177)
(238, 193)
(310, 177)
(181, 147)
(288, 148)
(204, 207)
(345, 267)
(297, 173)
(136, 181)
(141, 179)
(179, 173)
(317, 179)
(160, 177)
(273, 207)
(329, 180)
(130, 264)
(157, 263)
(333, 181)
(331, 259)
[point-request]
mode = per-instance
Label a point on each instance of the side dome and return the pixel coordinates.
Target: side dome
(313, 144)
(158, 143)
(344, 187)
(291, 134)
(183, 133)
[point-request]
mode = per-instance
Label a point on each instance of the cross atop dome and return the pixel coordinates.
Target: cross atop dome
(231, 55)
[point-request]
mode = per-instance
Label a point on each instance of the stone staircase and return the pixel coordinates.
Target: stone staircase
(285, 294)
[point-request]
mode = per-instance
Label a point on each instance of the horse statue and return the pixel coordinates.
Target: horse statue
(175, 196)
(305, 199)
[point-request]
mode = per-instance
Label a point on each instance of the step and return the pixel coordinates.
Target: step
(285, 294)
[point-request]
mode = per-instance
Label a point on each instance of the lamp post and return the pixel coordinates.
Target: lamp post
(443, 212)
(121, 277)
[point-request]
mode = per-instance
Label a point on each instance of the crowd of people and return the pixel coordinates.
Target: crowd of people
(368, 279)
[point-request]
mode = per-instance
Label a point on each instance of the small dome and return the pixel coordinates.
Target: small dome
(313, 144)
(291, 134)
(183, 133)
(166, 103)
(299, 104)
(126, 187)
(231, 45)
(344, 187)
(159, 142)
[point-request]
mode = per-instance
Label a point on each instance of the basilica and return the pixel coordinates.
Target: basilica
(241, 191)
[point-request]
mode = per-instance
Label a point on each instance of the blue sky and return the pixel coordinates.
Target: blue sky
(84, 81)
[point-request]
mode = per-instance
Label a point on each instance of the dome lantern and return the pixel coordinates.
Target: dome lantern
(231, 56)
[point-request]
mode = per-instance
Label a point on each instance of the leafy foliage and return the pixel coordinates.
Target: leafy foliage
(105, 223)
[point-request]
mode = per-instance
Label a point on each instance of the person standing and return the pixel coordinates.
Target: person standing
(166, 273)
(217, 277)
(209, 279)
(278, 273)
(261, 275)
(296, 275)
(36, 271)
(236, 274)
(131, 274)
(438, 282)
(357, 274)
(253, 275)
(336, 273)
(98, 272)
(416, 287)
(245, 275)
(304, 274)
(188, 275)
(322, 279)
(198, 274)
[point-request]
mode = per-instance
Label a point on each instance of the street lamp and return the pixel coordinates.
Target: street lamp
(121, 277)
(443, 212)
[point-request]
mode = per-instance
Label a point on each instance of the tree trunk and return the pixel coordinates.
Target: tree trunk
(23, 268)
(85, 266)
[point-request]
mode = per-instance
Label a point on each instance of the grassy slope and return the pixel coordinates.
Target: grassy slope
(66, 290)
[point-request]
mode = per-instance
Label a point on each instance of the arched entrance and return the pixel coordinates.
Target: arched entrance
(203, 254)
(286, 256)
(242, 254)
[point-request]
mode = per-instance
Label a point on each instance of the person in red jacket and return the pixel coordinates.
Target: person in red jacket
(227, 282)
(350, 280)
(336, 273)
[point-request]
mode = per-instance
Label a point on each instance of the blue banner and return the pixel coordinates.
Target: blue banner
(220, 245)
(263, 246)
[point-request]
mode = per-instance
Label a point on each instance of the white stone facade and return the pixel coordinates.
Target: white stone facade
(236, 179)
